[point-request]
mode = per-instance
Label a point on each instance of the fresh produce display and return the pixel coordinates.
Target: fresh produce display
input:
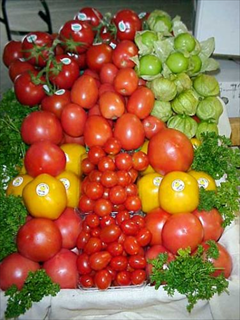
(111, 161)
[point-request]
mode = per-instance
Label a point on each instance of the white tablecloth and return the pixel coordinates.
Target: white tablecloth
(141, 303)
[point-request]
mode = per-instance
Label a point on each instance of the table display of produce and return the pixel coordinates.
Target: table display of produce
(119, 184)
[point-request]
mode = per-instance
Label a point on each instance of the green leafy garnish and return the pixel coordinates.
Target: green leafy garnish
(13, 214)
(37, 285)
(190, 275)
(12, 148)
(216, 157)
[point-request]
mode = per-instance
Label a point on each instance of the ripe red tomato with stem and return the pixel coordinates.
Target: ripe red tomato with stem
(12, 51)
(14, 269)
(124, 50)
(39, 239)
(170, 150)
(129, 131)
(97, 55)
(77, 36)
(56, 102)
(41, 125)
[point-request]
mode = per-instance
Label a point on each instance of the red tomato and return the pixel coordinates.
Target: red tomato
(108, 72)
(92, 220)
(106, 221)
(121, 216)
(93, 245)
(35, 47)
(127, 23)
(28, 90)
(83, 264)
(170, 150)
(125, 81)
(137, 262)
(105, 87)
(14, 269)
(84, 91)
(123, 161)
(41, 125)
(140, 161)
(62, 269)
(129, 131)
(12, 51)
(95, 153)
(91, 15)
(103, 207)
(109, 178)
(123, 278)
(117, 194)
(111, 105)
(85, 204)
(124, 50)
(131, 189)
(152, 253)
(95, 175)
(56, 102)
(115, 249)
(119, 263)
(131, 245)
(112, 146)
(106, 163)
(87, 166)
(63, 71)
(138, 277)
(102, 279)
(155, 220)
(86, 281)
(110, 233)
(73, 119)
(70, 139)
(129, 227)
(39, 239)
(77, 36)
(80, 59)
(94, 190)
(152, 125)
(223, 263)
(82, 239)
(70, 225)
(185, 229)
(97, 55)
(141, 102)
(17, 67)
(99, 260)
(44, 157)
(211, 222)
(144, 237)
(124, 179)
(97, 131)
(133, 203)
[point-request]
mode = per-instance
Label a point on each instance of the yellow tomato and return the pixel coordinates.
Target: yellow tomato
(195, 142)
(178, 192)
(45, 197)
(73, 152)
(204, 180)
(149, 169)
(148, 186)
(72, 185)
(15, 187)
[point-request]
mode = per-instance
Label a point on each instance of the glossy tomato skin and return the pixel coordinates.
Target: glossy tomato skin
(26, 91)
(185, 229)
(108, 72)
(12, 51)
(127, 23)
(41, 125)
(63, 71)
(103, 279)
(97, 55)
(99, 260)
(141, 102)
(152, 125)
(74, 32)
(124, 50)
(110, 233)
(56, 102)
(17, 67)
(111, 105)
(129, 131)
(70, 225)
(14, 270)
(211, 222)
(89, 14)
(44, 157)
(97, 131)
(62, 269)
(125, 81)
(84, 91)
(39, 239)
(155, 220)
(73, 119)
(138, 276)
(170, 150)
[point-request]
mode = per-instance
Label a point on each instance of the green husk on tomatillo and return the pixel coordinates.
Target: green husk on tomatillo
(204, 127)
(162, 110)
(206, 85)
(210, 108)
(182, 81)
(160, 21)
(145, 41)
(164, 89)
(186, 102)
(183, 123)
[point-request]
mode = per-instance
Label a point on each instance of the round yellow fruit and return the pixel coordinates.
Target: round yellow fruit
(204, 179)
(15, 186)
(72, 184)
(73, 152)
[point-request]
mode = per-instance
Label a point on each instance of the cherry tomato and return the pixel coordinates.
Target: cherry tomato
(129, 227)
(112, 146)
(103, 279)
(92, 220)
(84, 91)
(87, 166)
(123, 161)
(140, 161)
(106, 221)
(124, 50)
(115, 249)
(133, 203)
(125, 81)
(129, 131)
(86, 281)
(110, 233)
(109, 178)
(95, 153)
(185, 228)
(94, 190)
(14, 269)
(123, 278)
(106, 163)
(82, 239)
(124, 179)
(144, 237)
(93, 245)
(119, 263)
(117, 194)
(127, 23)
(97, 55)
(131, 189)
(39, 239)
(138, 276)
(85, 204)
(103, 207)
(131, 245)
(83, 264)
(99, 260)
(121, 216)
(56, 102)
(137, 262)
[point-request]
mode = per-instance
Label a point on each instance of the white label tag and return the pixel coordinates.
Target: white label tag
(178, 185)
(32, 38)
(157, 181)
(82, 16)
(76, 27)
(60, 92)
(65, 61)
(17, 181)
(42, 189)
(122, 26)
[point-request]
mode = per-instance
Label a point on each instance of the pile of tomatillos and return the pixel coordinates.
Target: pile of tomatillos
(122, 114)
